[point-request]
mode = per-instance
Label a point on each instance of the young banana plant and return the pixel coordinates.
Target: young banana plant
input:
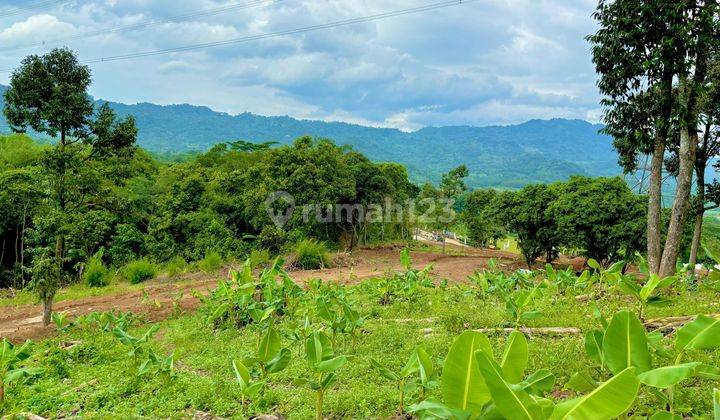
(62, 321)
(323, 363)
(517, 304)
(481, 284)
(475, 385)
(610, 276)
(419, 363)
(340, 318)
(703, 333)
(646, 295)
(11, 358)
(157, 364)
(137, 345)
(248, 387)
(624, 344)
(270, 356)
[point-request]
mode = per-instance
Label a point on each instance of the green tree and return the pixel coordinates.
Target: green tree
(483, 226)
(707, 193)
(452, 184)
(525, 213)
(600, 217)
(640, 51)
(48, 94)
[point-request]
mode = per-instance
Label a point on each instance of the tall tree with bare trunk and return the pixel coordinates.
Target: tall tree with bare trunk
(707, 194)
(652, 58)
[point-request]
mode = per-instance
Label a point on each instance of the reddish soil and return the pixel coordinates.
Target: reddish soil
(24, 322)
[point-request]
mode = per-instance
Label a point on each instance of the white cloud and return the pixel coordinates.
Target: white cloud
(490, 62)
(34, 29)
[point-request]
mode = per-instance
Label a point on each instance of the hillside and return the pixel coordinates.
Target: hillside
(498, 156)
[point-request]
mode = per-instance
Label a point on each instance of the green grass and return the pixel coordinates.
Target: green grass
(93, 378)
(213, 261)
(508, 244)
(73, 292)
(711, 236)
(139, 271)
(311, 254)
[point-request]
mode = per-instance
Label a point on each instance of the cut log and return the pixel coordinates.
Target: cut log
(534, 331)
(671, 323)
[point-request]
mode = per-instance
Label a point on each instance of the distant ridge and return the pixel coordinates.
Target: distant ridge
(498, 156)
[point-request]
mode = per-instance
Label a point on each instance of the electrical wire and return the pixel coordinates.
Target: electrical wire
(329, 25)
(33, 7)
(146, 24)
(345, 22)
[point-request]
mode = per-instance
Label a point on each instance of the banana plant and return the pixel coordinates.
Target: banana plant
(609, 277)
(565, 280)
(419, 363)
(422, 277)
(340, 317)
(270, 356)
(11, 358)
(703, 333)
(475, 385)
(107, 321)
(624, 343)
(248, 387)
(62, 321)
(518, 303)
(482, 286)
(646, 295)
(138, 347)
(157, 364)
(245, 299)
(322, 361)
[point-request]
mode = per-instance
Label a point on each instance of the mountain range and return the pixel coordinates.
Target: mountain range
(498, 156)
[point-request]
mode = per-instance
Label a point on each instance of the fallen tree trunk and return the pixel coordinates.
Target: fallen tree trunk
(534, 331)
(671, 323)
(525, 330)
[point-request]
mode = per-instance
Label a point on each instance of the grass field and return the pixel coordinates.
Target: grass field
(87, 372)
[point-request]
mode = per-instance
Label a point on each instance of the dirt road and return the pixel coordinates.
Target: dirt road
(23, 322)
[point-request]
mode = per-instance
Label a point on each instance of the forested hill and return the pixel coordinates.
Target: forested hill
(498, 156)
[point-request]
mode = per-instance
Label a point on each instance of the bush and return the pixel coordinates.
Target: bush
(212, 262)
(176, 266)
(95, 273)
(311, 254)
(259, 258)
(139, 270)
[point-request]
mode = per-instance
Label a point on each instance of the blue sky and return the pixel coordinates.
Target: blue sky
(479, 63)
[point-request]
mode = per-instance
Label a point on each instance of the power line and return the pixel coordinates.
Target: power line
(147, 23)
(329, 25)
(311, 28)
(33, 7)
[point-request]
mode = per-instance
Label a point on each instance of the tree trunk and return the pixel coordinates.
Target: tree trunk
(688, 146)
(2, 253)
(696, 240)
(47, 310)
(655, 205)
(22, 248)
(699, 213)
(59, 243)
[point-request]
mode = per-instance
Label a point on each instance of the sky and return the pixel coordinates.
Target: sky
(483, 62)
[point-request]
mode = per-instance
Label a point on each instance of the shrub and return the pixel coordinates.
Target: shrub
(96, 274)
(212, 262)
(139, 270)
(176, 266)
(259, 258)
(311, 254)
